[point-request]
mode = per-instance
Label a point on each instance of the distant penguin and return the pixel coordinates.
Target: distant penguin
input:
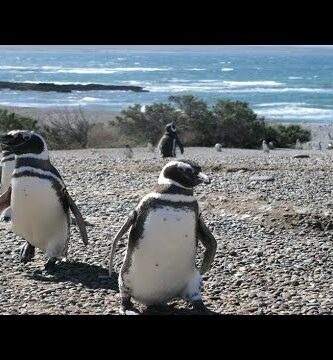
(265, 147)
(319, 145)
(150, 146)
(329, 146)
(218, 147)
(169, 141)
(128, 152)
(39, 199)
(7, 168)
(298, 145)
(166, 225)
(271, 145)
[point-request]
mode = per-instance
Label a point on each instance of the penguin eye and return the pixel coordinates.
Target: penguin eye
(26, 137)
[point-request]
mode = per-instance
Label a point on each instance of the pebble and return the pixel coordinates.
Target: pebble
(280, 262)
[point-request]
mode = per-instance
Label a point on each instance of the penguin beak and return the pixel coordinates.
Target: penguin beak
(204, 178)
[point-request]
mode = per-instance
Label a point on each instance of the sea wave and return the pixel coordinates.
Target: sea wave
(229, 89)
(227, 69)
(252, 83)
(195, 69)
(296, 112)
(274, 104)
(80, 70)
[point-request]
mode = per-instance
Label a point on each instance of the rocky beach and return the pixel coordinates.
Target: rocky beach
(270, 213)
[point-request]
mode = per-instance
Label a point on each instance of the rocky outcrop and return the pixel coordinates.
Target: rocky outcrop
(66, 88)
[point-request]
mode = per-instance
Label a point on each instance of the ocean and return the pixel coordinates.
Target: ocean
(286, 86)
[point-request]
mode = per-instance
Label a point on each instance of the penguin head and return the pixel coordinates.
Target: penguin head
(171, 128)
(183, 173)
(23, 142)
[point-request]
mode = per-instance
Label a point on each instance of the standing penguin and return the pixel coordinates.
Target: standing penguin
(39, 199)
(298, 145)
(7, 166)
(169, 141)
(150, 146)
(165, 228)
(218, 147)
(128, 152)
(265, 147)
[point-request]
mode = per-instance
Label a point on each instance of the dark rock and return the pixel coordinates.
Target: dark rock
(301, 156)
(66, 88)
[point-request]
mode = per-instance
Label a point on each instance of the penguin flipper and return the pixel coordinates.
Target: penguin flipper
(123, 230)
(78, 216)
(208, 241)
(5, 199)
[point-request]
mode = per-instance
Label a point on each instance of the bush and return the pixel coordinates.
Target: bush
(139, 127)
(12, 121)
(232, 123)
(237, 125)
(287, 135)
(67, 130)
(196, 122)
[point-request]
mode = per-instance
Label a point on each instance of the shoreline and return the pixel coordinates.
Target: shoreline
(319, 131)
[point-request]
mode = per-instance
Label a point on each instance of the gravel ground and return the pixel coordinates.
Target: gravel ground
(274, 237)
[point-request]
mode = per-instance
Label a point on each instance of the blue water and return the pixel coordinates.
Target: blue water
(284, 86)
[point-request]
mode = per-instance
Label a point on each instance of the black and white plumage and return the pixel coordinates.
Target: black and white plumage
(39, 199)
(298, 145)
(128, 152)
(218, 147)
(150, 146)
(169, 141)
(7, 168)
(165, 228)
(265, 147)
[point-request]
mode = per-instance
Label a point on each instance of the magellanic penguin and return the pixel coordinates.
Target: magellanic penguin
(128, 152)
(169, 141)
(218, 147)
(39, 199)
(165, 228)
(7, 168)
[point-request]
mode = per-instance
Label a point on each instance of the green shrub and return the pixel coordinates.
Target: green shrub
(139, 127)
(12, 121)
(287, 135)
(237, 125)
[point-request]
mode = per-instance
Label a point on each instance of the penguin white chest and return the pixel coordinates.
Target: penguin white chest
(7, 170)
(37, 214)
(163, 263)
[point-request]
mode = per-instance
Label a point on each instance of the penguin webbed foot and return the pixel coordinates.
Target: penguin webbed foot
(127, 307)
(27, 253)
(6, 215)
(50, 266)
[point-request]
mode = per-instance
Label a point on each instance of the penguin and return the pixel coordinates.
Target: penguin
(166, 225)
(271, 145)
(128, 152)
(169, 141)
(150, 146)
(7, 168)
(218, 147)
(39, 199)
(265, 147)
(298, 145)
